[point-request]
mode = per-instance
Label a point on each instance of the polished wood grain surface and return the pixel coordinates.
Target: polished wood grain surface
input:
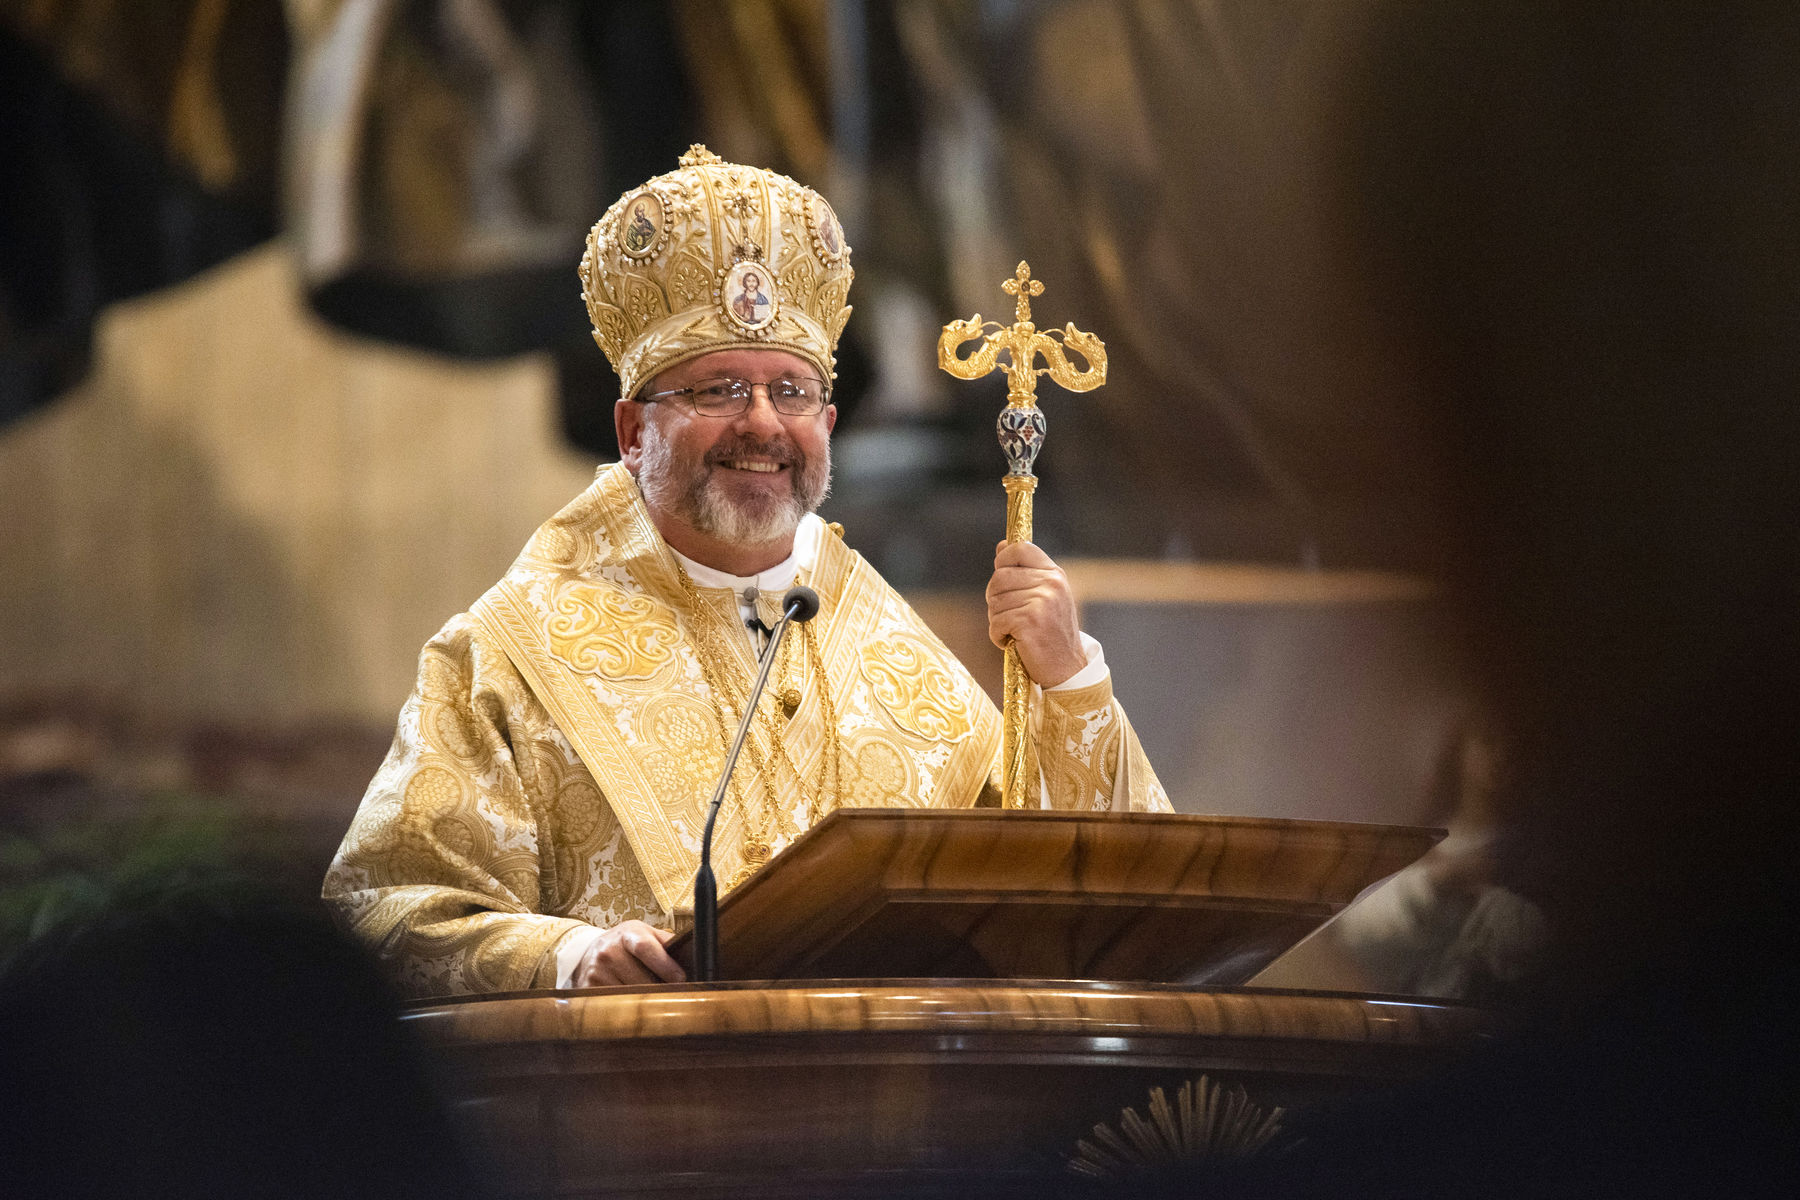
(931, 1006)
(1159, 897)
(877, 1087)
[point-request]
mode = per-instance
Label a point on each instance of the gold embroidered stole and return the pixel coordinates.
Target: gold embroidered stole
(594, 618)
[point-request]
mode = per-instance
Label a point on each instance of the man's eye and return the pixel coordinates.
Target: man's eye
(720, 389)
(787, 389)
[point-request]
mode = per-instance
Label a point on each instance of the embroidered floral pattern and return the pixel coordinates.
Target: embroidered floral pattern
(607, 632)
(918, 693)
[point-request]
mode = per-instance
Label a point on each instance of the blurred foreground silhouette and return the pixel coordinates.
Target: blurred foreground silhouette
(199, 1036)
(1580, 227)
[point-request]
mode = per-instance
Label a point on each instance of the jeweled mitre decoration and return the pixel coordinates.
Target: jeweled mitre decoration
(712, 256)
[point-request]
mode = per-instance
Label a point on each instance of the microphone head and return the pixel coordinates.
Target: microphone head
(801, 603)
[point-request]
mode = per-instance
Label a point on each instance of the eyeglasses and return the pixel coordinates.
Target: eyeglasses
(796, 397)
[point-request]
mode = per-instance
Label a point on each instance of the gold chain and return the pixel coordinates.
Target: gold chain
(785, 690)
(760, 828)
(833, 758)
(758, 845)
(829, 766)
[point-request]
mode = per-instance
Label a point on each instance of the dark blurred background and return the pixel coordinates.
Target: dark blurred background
(1444, 474)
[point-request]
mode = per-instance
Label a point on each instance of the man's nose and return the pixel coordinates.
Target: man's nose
(761, 415)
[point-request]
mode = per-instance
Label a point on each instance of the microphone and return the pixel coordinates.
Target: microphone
(800, 603)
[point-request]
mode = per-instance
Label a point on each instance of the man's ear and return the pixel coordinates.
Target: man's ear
(628, 423)
(830, 417)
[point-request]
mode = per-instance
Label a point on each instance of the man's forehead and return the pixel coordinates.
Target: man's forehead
(747, 362)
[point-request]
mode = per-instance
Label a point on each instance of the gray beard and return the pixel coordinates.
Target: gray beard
(684, 489)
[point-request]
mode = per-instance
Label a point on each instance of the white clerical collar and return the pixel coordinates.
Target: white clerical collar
(778, 578)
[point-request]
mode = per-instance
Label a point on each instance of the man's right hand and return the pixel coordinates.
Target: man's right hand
(630, 952)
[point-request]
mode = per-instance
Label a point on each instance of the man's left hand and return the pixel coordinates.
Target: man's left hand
(1029, 601)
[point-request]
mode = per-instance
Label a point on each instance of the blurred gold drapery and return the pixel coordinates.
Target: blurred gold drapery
(202, 77)
(1169, 165)
(761, 68)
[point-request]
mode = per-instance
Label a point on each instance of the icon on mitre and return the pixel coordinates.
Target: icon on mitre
(749, 295)
(641, 225)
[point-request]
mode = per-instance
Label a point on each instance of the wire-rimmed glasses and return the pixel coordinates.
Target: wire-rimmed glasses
(792, 395)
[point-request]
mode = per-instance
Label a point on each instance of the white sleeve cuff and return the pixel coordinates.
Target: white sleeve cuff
(1089, 675)
(570, 950)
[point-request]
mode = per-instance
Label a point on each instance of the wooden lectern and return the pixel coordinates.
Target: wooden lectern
(930, 1002)
(985, 894)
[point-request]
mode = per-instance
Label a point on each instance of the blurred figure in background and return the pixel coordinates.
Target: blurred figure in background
(1452, 925)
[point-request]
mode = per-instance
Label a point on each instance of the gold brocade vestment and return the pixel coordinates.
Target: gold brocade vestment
(552, 766)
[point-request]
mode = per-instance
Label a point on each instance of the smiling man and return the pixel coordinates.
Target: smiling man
(537, 821)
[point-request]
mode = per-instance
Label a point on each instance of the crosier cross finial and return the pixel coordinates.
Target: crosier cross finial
(1022, 428)
(1024, 287)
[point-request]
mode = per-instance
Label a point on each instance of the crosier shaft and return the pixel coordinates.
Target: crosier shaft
(1015, 709)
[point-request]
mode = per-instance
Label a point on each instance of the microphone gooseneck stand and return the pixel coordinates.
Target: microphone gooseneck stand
(800, 603)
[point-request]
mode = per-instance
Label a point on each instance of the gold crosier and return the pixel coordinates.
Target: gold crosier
(1022, 429)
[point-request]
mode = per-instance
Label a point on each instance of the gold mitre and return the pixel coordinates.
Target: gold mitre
(715, 256)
